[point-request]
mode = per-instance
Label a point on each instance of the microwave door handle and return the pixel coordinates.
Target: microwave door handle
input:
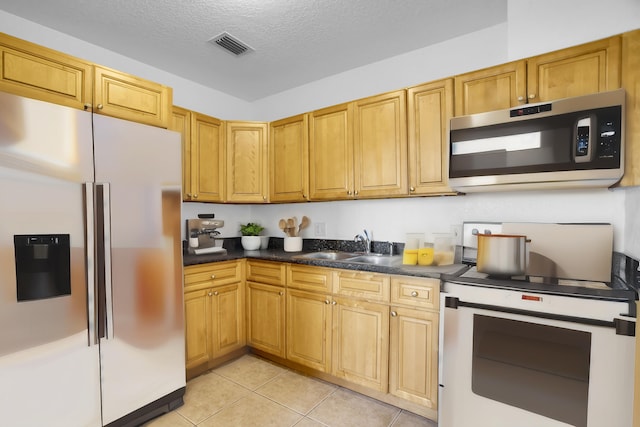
(103, 227)
(90, 258)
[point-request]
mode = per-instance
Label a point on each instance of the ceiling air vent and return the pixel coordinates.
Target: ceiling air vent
(231, 44)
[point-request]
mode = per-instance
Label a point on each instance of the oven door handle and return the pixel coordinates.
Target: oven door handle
(622, 326)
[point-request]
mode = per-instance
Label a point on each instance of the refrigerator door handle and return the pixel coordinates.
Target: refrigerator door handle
(103, 230)
(90, 244)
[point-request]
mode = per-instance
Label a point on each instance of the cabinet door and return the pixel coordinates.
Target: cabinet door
(181, 122)
(361, 343)
(413, 363)
(228, 322)
(289, 159)
(579, 70)
(246, 162)
(489, 89)
(331, 153)
(266, 318)
(34, 71)
(197, 336)
(207, 159)
(631, 83)
(309, 329)
(430, 107)
(380, 145)
(128, 97)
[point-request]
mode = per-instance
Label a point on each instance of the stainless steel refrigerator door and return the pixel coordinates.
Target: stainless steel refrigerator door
(142, 351)
(49, 368)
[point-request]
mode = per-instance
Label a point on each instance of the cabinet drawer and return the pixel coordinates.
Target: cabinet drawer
(213, 274)
(359, 284)
(272, 273)
(415, 292)
(309, 278)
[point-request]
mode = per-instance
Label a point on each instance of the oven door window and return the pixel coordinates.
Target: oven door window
(538, 368)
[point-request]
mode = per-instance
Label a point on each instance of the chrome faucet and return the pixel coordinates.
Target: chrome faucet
(365, 239)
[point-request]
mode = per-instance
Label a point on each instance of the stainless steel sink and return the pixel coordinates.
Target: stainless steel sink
(327, 255)
(377, 259)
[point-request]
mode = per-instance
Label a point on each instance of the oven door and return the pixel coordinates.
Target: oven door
(502, 369)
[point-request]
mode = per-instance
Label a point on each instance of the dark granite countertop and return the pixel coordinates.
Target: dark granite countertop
(275, 253)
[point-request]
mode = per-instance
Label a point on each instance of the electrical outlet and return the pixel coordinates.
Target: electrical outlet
(320, 229)
(456, 231)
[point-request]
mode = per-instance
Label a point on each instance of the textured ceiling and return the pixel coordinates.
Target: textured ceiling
(295, 41)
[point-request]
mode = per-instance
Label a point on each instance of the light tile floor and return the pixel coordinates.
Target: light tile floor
(251, 391)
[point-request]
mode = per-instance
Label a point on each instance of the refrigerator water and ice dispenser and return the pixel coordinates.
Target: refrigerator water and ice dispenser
(42, 266)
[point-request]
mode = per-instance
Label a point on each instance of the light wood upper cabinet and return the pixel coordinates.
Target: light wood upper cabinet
(128, 97)
(489, 89)
(578, 70)
(359, 149)
(631, 83)
(380, 146)
(429, 109)
(203, 161)
(34, 71)
(247, 176)
(331, 153)
(289, 159)
(37, 72)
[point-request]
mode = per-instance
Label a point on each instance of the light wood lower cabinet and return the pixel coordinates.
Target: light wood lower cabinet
(413, 351)
(266, 306)
(413, 356)
(309, 329)
(214, 313)
(266, 318)
(361, 342)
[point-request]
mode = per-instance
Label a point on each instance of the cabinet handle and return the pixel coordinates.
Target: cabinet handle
(209, 293)
(394, 314)
(355, 192)
(333, 303)
(348, 192)
(264, 198)
(414, 294)
(213, 276)
(280, 293)
(412, 189)
(532, 95)
(189, 195)
(87, 106)
(195, 196)
(521, 98)
(99, 106)
(326, 301)
(216, 293)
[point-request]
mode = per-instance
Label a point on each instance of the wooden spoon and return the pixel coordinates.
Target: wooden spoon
(304, 223)
(290, 227)
(283, 225)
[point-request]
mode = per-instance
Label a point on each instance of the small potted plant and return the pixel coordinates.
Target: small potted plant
(251, 236)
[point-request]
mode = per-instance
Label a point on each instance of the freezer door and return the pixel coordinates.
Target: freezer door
(49, 366)
(142, 345)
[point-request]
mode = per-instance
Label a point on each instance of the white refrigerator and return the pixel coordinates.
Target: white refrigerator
(91, 291)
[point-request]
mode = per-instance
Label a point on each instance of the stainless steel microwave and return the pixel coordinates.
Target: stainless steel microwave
(568, 143)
